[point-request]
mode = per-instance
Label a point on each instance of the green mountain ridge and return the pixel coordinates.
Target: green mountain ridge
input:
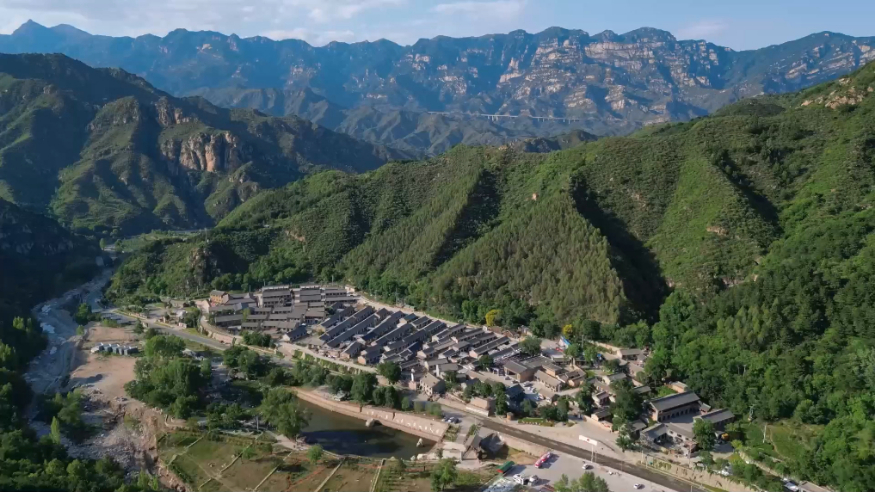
(104, 151)
(738, 247)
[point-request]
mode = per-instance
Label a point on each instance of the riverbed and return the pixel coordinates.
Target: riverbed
(341, 434)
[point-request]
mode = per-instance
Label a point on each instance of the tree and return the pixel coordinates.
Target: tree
(531, 346)
(468, 393)
(164, 346)
(625, 440)
(493, 318)
(399, 465)
(138, 328)
(390, 370)
(484, 362)
(363, 385)
(280, 409)
(444, 475)
(314, 454)
(83, 314)
(573, 352)
(588, 482)
(590, 330)
(612, 365)
(405, 404)
(191, 317)
(80, 330)
(501, 406)
(568, 332)
(583, 398)
(704, 432)
(56, 430)
(206, 368)
(590, 353)
(435, 410)
(528, 407)
(562, 409)
(627, 404)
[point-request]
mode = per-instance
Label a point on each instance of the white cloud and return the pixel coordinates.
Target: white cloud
(316, 38)
(702, 29)
(125, 17)
(498, 9)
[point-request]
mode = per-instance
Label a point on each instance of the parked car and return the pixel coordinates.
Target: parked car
(638, 486)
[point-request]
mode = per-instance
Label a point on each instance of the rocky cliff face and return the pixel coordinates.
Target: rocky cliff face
(202, 152)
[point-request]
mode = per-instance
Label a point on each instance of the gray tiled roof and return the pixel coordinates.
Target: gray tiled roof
(674, 401)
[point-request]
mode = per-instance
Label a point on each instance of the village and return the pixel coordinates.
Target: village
(458, 365)
(436, 358)
(479, 395)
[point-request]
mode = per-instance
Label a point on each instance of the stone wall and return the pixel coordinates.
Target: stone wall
(525, 446)
(412, 424)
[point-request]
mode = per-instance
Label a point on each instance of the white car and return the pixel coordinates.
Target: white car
(638, 486)
(587, 466)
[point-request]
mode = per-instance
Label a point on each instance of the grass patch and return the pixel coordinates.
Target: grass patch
(753, 439)
(213, 455)
(353, 476)
(295, 470)
(791, 440)
(246, 474)
(664, 391)
(417, 477)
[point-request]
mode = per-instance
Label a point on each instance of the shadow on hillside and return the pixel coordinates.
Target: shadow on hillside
(637, 266)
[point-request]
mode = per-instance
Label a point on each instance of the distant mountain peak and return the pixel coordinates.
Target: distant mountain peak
(29, 27)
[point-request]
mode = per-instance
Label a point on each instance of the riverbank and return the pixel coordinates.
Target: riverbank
(412, 424)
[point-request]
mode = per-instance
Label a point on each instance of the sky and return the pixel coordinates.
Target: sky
(738, 24)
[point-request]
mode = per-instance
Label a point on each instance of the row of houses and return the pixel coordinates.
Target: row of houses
(280, 308)
(425, 348)
(283, 295)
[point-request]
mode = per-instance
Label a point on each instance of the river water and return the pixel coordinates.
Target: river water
(341, 434)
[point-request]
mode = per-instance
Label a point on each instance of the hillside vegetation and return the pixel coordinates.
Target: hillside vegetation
(739, 247)
(105, 152)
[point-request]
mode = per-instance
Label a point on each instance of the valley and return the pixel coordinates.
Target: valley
(552, 261)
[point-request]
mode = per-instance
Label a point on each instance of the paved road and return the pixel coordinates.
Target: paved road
(638, 471)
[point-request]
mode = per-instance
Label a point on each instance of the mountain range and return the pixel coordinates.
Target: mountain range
(606, 83)
(104, 151)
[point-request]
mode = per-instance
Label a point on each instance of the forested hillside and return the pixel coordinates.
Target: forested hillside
(756, 223)
(105, 152)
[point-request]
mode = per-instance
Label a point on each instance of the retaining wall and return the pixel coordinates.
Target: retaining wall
(412, 424)
(525, 446)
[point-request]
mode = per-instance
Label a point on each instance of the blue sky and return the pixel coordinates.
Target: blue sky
(739, 24)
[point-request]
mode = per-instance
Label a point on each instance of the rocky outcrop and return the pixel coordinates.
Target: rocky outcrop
(214, 152)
